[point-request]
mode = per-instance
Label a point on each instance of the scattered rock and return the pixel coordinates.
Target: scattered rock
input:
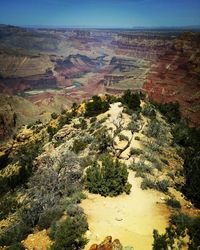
(108, 244)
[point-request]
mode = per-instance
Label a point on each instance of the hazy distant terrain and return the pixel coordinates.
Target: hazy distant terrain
(49, 66)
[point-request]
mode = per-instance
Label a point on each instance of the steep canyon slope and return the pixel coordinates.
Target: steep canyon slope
(53, 68)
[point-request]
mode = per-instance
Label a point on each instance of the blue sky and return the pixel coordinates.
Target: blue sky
(104, 13)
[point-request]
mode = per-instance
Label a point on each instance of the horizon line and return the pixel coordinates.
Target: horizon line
(48, 26)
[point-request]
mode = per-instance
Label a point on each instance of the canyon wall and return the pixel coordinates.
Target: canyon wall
(175, 76)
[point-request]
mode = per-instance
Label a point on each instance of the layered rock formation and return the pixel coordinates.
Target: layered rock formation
(175, 76)
(143, 44)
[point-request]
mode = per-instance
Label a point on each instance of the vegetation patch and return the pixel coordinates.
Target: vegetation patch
(173, 203)
(69, 234)
(108, 179)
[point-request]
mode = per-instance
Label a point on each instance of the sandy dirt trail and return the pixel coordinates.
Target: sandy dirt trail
(130, 218)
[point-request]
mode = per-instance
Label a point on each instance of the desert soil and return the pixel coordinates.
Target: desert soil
(130, 218)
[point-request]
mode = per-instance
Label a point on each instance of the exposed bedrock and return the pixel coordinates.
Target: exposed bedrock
(21, 84)
(175, 76)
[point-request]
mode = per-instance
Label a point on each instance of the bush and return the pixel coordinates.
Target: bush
(160, 241)
(123, 137)
(153, 129)
(70, 234)
(141, 167)
(96, 107)
(14, 234)
(147, 183)
(77, 197)
(180, 226)
(170, 111)
(149, 111)
(173, 203)
(109, 179)
(74, 210)
(51, 183)
(49, 216)
(102, 140)
(131, 100)
(51, 131)
(8, 205)
(135, 151)
(66, 118)
(162, 185)
(80, 144)
(21, 166)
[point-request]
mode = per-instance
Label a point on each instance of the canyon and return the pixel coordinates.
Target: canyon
(50, 69)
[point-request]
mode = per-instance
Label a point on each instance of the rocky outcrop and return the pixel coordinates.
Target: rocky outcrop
(108, 244)
(14, 112)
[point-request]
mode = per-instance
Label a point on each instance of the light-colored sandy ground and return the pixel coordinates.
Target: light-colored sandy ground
(130, 218)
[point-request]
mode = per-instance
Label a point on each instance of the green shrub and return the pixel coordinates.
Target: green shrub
(109, 179)
(132, 100)
(141, 167)
(74, 210)
(149, 111)
(77, 197)
(96, 107)
(140, 174)
(127, 188)
(153, 129)
(66, 118)
(51, 131)
(180, 226)
(49, 216)
(79, 145)
(14, 234)
(173, 203)
(160, 241)
(162, 185)
(170, 111)
(21, 165)
(123, 137)
(8, 205)
(70, 234)
(147, 183)
(135, 151)
(102, 140)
